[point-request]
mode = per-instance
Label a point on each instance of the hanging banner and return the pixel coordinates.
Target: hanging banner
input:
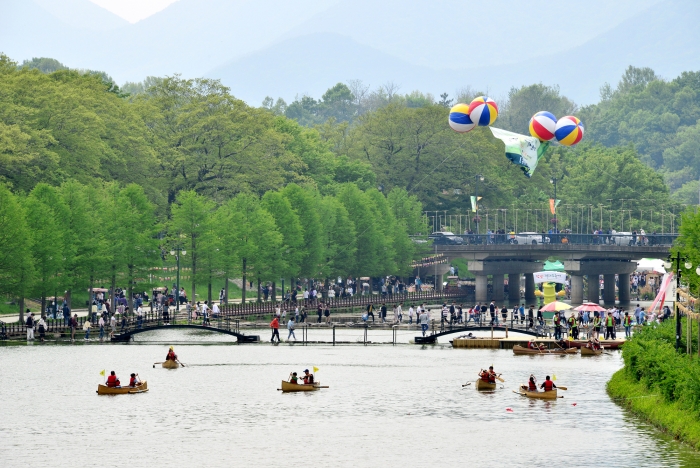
(549, 277)
(525, 151)
(474, 200)
(553, 205)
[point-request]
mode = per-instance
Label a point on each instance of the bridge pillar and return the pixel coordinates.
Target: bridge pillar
(609, 289)
(498, 282)
(513, 288)
(624, 288)
(482, 282)
(593, 289)
(530, 289)
(576, 289)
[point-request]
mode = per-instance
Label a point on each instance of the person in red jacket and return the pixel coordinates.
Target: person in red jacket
(113, 380)
(275, 325)
(548, 385)
(532, 385)
(134, 382)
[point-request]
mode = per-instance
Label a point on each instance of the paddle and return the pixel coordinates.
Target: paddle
(154, 364)
(181, 363)
(561, 388)
(499, 378)
(466, 384)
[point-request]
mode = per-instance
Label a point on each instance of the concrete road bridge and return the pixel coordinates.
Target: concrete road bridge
(587, 256)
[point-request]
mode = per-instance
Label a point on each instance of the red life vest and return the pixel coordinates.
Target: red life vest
(548, 385)
(532, 386)
(132, 382)
(112, 381)
(485, 376)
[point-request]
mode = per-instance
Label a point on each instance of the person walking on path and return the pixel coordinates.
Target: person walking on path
(327, 313)
(42, 329)
(275, 325)
(73, 327)
(423, 320)
(290, 326)
(370, 311)
(86, 329)
(112, 326)
(101, 323)
(382, 313)
(30, 326)
(411, 313)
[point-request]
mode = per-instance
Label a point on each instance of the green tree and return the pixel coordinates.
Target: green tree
(16, 266)
(526, 101)
(289, 225)
(191, 216)
(339, 237)
(303, 202)
(369, 240)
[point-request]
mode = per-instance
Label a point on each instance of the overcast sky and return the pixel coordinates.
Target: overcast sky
(133, 10)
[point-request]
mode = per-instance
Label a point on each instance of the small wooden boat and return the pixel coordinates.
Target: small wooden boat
(517, 349)
(481, 385)
(590, 351)
(105, 390)
(290, 387)
(580, 344)
(168, 364)
(550, 395)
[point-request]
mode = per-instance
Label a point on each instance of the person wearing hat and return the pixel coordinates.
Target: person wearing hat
(308, 378)
(171, 355)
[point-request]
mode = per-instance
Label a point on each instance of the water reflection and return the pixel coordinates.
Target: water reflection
(386, 405)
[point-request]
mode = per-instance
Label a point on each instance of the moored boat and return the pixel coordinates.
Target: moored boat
(105, 390)
(590, 352)
(550, 395)
(580, 344)
(170, 364)
(481, 385)
(290, 387)
(517, 349)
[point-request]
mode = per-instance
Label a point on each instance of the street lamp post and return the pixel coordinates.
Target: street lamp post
(177, 254)
(553, 181)
(478, 178)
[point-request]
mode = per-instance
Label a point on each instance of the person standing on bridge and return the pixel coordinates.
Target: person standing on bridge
(275, 325)
(492, 312)
(290, 327)
(531, 317)
(382, 312)
(609, 327)
(370, 311)
(627, 322)
(423, 319)
(573, 326)
(411, 313)
(557, 326)
(522, 313)
(504, 314)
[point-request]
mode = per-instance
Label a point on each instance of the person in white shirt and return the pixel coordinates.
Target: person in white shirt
(215, 310)
(290, 327)
(331, 293)
(112, 326)
(396, 314)
(101, 324)
(399, 312)
(411, 313)
(139, 316)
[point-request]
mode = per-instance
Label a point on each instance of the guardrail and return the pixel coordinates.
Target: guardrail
(627, 240)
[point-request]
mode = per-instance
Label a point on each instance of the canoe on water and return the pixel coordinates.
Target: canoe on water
(590, 352)
(517, 349)
(290, 387)
(481, 385)
(550, 395)
(581, 344)
(170, 364)
(105, 390)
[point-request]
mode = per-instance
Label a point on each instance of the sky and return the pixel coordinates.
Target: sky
(133, 10)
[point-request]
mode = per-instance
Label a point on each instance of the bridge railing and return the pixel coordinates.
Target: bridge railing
(358, 300)
(619, 239)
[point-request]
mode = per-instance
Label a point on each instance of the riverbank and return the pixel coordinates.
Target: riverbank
(671, 418)
(660, 384)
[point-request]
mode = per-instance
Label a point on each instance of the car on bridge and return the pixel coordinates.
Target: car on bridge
(531, 238)
(445, 238)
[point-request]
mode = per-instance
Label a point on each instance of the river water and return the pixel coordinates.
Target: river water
(386, 406)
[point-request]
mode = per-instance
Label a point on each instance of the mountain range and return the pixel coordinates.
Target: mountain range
(285, 49)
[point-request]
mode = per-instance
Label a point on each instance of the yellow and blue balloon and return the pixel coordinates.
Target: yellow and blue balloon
(543, 125)
(459, 119)
(483, 111)
(569, 130)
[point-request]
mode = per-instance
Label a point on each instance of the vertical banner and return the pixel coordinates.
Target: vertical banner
(474, 200)
(553, 205)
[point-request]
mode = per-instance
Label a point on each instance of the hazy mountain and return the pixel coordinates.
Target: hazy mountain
(268, 47)
(663, 37)
(470, 34)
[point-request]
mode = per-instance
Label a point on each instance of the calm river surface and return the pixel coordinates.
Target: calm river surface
(386, 406)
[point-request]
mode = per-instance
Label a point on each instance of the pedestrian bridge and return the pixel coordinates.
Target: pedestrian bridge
(226, 329)
(445, 330)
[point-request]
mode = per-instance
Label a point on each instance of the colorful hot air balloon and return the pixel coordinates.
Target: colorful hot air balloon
(569, 130)
(483, 111)
(542, 125)
(459, 118)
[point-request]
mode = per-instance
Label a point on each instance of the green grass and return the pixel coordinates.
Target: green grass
(650, 405)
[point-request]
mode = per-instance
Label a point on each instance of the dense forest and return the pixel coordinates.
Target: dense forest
(355, 169)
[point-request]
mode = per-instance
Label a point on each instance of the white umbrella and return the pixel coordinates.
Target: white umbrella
(651, 264)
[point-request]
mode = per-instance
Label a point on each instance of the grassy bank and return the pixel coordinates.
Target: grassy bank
(672, 418)
(659, 383)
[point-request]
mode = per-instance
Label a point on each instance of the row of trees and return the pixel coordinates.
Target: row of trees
(75, 236)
